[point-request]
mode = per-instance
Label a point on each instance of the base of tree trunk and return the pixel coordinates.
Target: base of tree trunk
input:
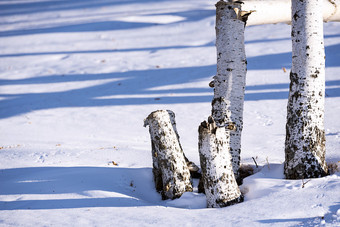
(218, 177)
(307, 167)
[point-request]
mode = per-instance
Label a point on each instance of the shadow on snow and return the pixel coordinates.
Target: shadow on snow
(314, 221)
(132, 87)
(115, 187)
(9, 9)
(135, 88)
(86, 25)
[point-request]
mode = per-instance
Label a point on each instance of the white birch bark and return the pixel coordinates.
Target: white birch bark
(279, 11)
(218, 178)
(171, 173)
(193, 168)
(305, 134)
(229, 82)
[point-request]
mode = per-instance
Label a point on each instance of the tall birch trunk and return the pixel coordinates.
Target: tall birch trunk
(171, 173)
(305, 133)
(218, 178)
(229, 82)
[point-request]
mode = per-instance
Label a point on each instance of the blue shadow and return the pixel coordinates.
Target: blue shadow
(22, 7)
(128, 182)
(20, 103)
(329, 218)
(64, 5)
(142, 81)
(83, 27)
(277, 61)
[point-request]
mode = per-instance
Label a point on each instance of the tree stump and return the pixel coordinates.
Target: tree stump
(219, 181)
(171, 173)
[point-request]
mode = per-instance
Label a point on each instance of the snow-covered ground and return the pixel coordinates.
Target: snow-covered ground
(77, 79)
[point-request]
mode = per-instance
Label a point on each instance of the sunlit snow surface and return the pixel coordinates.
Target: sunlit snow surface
(77, 79)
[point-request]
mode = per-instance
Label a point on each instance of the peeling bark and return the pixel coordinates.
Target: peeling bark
(305, 133)
(171, 173)
(229, 82)
(218, 178)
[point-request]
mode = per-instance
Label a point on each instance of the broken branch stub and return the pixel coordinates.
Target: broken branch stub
(219, 181)
(171, 173)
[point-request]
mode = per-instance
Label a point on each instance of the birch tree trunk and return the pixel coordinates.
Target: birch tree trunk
(229, 82)
(305, 134)
(279, 11)
(218, 177)
(171, 173)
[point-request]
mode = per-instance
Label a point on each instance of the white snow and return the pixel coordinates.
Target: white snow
(77, 79)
